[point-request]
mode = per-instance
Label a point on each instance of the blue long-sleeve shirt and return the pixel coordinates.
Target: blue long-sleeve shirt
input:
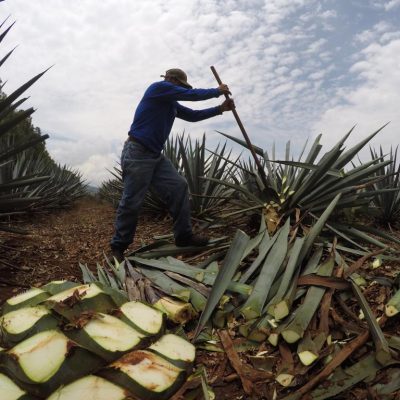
(158, 108)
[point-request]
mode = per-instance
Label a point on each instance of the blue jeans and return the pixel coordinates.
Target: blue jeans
(142, 169)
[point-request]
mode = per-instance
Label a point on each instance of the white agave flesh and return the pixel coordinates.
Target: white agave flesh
(175, 348)
(284, 379)
(29, 294)
(144, 317)
(84, 291)
(307, 357)
(390, 310)
(90, 388)
(42, 355)
(23, 319)
(8, 389)
(112, 334)
(149, 370)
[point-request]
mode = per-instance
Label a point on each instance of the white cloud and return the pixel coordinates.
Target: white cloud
(96, 168)
(372, 103)
(374, 33)
(385, 4)
(391, 4)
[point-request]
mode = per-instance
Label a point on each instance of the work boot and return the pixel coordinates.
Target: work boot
(118, 254)
(192, 240)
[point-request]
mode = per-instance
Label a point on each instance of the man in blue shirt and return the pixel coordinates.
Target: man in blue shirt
(143, 165)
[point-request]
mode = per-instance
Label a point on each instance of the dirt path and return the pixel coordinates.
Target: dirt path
(58, 242)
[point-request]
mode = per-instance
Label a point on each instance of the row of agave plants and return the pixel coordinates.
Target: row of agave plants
(30, 181)
(222, 186)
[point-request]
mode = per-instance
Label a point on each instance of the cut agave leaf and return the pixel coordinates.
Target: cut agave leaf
(90, 388)
(16, 325)
(107, 336)
(146, 375)
(10, 391)
(175, 349)
(341, 379)
(393, 306)
(72, 302)
(143, 317)
(47, 360)
(31, 297)
(176, 311)
(294, 330)
(56, 287)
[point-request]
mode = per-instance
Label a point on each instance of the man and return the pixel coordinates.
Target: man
(143, 165)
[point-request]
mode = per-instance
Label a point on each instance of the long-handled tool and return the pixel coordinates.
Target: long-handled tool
(246, 137)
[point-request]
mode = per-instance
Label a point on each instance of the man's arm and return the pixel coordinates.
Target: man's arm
(196, 115)
(169, 91)
(190, 115)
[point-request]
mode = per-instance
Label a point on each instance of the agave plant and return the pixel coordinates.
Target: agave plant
(203, 173)
(310, 185)
(201, 169)
(61, 188)
(10, 202)
(387, 187)
(60, 322)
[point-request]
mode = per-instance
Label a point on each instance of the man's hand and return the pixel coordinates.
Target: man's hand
(227, 105)
(224, 89)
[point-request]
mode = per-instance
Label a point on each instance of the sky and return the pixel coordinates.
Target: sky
(296, 68)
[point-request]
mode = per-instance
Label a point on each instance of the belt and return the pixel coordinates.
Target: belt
(134, 140)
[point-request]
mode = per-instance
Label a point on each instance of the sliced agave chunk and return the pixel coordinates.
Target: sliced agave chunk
(10, 391)
(31, 297)
(90, 388)
(46, 360)
(175, 349)
(56, 287)
(16, 325)
(146, 375)
(176, 311)
(107, 336)
(74, 301)
(142, 317)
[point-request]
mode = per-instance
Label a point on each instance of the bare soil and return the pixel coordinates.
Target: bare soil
(58, 242)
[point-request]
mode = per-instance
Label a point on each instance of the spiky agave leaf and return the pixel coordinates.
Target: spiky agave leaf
(387, 201)
(294, 330)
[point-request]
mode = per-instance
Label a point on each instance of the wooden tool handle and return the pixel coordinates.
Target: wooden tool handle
(244, 133)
